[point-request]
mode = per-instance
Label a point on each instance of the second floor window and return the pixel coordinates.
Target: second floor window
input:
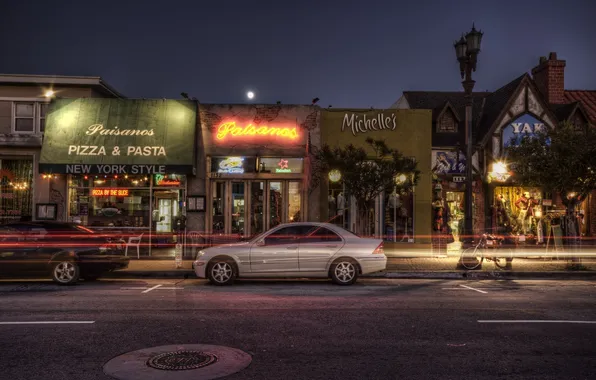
(447, 123)
(29, 117)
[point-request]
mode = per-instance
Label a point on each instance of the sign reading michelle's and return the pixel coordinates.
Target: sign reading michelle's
(119, 136)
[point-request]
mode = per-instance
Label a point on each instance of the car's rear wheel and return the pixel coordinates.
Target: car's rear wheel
(344, 272)
(221, 272)
(65, 272)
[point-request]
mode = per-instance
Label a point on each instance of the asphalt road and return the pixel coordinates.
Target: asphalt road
(376, 329)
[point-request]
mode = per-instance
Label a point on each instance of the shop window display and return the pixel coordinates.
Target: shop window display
(518, 211)
(399, 208)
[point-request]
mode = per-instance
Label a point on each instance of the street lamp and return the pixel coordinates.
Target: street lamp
(466, 51)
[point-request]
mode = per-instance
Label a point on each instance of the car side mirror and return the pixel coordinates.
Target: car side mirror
(260, 243)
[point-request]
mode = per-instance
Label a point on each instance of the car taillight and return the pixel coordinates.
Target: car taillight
(379, 250)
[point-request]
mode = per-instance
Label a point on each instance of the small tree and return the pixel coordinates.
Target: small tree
(561, 160)
(366, 175)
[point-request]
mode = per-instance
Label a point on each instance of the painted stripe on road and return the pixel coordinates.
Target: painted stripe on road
(531, 321)
(469, 287)
(48, 323)
(150, 289)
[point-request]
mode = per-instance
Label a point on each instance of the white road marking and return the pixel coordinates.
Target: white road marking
(454, 289)
(531, 321)
(478, 290)
(170, 288)
(135, 288)
(150, 289)
(48, 323)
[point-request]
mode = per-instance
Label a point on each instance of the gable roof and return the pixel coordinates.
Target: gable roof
(437, 101)
(587, 99)
(496, 104)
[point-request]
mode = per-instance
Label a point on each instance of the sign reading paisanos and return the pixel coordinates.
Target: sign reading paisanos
(119, 136)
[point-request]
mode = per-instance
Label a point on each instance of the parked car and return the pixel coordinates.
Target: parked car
(65, 251)
(294, 250)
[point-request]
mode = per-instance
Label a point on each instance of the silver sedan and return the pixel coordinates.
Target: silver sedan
(294, 250)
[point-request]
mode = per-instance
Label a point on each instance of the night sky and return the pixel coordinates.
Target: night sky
(347, 53)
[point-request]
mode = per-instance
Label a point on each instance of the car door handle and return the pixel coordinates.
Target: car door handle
(292, 247)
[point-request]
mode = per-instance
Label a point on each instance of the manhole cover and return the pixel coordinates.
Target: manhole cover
(178, 362)
(181, 360)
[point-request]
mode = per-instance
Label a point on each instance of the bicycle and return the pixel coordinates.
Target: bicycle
(472, 258)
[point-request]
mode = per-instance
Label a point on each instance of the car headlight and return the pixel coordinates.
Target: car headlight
(199, 254)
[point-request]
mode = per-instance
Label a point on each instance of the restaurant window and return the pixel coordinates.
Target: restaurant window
(29, 117)
(16, 178)
(132, 201)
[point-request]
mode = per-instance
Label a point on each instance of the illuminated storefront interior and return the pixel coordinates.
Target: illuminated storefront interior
(252, 194)
(134, 201)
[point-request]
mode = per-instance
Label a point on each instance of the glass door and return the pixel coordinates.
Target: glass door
(248, 208)
(257, 211)
(238, 209)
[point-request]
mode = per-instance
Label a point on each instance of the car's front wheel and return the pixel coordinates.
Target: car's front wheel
(65, 272)
(221, 272)
(344, 272)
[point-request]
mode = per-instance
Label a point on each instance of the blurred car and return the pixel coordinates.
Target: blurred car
(65, 251)
(294, 250)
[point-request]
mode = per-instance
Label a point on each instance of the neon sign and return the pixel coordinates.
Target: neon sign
(231, 130)
(283, 167)
(162, 180)
(109, 192)
(231, 165)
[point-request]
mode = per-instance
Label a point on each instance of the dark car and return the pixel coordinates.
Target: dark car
(66, 251)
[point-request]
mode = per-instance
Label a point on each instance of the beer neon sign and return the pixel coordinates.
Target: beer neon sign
(109, 192)
(161, 180)
(230, 129)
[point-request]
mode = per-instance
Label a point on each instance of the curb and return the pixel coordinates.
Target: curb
(467, 275)
(575, 275)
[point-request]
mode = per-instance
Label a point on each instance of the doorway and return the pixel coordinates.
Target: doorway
(249, 207)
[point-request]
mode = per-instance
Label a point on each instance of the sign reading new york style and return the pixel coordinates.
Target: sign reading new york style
(119, 136)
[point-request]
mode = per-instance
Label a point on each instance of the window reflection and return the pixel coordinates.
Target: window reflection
(256, 212)
(275, 204)
(294, 203)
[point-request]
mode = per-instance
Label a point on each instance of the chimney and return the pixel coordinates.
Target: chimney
(549, 77)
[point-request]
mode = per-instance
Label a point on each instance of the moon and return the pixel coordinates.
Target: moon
(250, 94)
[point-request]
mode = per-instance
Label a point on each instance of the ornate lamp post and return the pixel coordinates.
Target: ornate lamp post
(467, 50)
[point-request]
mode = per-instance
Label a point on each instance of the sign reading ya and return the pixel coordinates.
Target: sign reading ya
(525, 125)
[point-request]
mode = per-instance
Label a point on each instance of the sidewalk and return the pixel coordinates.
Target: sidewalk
(400, 267)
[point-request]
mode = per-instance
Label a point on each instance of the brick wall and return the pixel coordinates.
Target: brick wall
(549, 77)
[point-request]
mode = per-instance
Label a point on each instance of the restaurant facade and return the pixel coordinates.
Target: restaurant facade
(397, 217)
(120, 165)
(24, 101)
(254, 161)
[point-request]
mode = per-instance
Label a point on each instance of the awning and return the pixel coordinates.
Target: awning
(119, 136)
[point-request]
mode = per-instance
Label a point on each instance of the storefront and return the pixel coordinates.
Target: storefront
(524, 212)
(397, 217)
(449, 170)
(256, 166)
(122, 165)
